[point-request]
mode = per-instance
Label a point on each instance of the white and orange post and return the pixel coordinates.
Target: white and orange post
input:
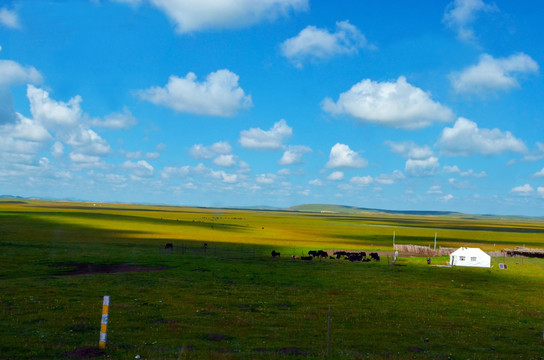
(104, 323)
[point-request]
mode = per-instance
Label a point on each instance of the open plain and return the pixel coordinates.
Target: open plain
(232, 300)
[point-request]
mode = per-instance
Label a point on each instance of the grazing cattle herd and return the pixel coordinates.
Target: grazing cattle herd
(319, 254)
(346, 255)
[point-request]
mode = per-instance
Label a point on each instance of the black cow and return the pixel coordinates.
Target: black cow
(375, 256)
(323, 254)
(355, 257)
(169, 246)
(312, 253)
(308, 258)
(275, 254)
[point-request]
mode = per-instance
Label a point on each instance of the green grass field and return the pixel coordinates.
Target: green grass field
(233, 301)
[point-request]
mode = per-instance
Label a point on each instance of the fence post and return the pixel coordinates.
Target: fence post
(329, 332)
(104, 322)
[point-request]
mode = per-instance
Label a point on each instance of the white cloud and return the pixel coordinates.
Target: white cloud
(361, 180)
(184, 171)
(395, 104)
(336, 176)
(57, 149)
(223, 176)
(52, 112)
(492, 74)
(465, 139)
(26, 129)
(419, 168)
(152, 155)
(12, 73)
(140, 169)
(134, 154)
(190, 16)
(293, 155)
(9, 18)
(265, 178)
(86, 141)
(313, 43)
(460, 14)
(537, 154)
(539, 173)
(459, 184)
(390, 179)
(122, 120)
(82, 158)
(470, 173)
(447, 197)
(226, 161)
(200, 151)
(540, 191)
(272, 139)
(341, 156)
(523, 190)
(409, 149)
(315, 182)
(218, 95)
(436, 189)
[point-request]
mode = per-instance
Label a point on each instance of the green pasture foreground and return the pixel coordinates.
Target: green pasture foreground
(233, 301)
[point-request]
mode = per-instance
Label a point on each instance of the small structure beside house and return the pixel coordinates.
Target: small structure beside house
(470, 257)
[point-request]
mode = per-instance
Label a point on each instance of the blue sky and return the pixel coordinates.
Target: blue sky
(427, 105)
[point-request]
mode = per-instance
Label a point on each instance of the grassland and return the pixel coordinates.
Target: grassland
(233, 300)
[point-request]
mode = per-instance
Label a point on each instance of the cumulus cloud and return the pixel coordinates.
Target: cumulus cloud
(87, 141)
(293, 155)
(9, 18)
(258, 139)
(265, 179)
(523, 190)
(225, 161)
(447, 197)
(409, 149)
(537, 154)
(57, 149)
(390, 179)
(341, 156)
(336, 176)
(491, 74)
(465, 139)
(436, 189)
(224, 176)
(540, 191)
(122, 120)
(361, 180)
(190, 16)
(52, 112)
(313, 43)
(315, 182)
(420, 168)
(200, 151)
(539, 173)
(461, 14)
(140, 169)
(26, 129)
(82, 158)
(218, 95)
(469, 173)
(12, 73)
(395, 104)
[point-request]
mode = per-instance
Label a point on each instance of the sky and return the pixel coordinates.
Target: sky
(401, 105)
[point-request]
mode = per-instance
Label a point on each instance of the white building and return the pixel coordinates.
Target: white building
(470, 257)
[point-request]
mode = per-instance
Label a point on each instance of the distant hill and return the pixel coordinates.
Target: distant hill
(342, 209)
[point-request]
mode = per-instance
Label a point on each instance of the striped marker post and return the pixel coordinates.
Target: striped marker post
(104, 323)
